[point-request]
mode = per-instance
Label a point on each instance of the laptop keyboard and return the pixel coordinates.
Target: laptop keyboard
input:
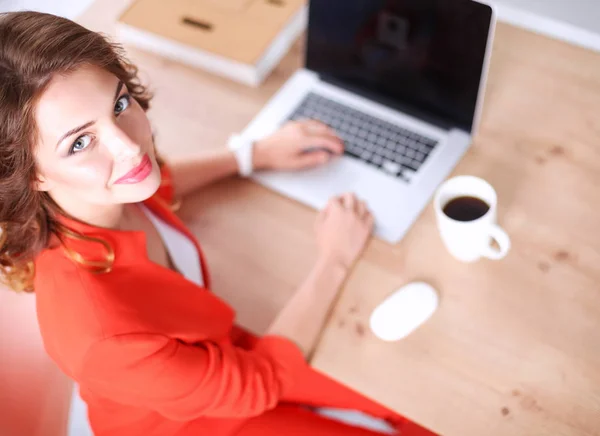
(393, 149)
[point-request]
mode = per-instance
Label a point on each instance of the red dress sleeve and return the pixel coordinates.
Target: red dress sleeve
(184, 382)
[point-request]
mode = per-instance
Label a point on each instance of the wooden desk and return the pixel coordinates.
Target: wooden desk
(514, 348)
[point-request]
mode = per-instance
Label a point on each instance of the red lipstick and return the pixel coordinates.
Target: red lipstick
(137, 174)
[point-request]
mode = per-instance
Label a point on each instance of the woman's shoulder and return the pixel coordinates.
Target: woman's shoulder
(61, 285)
(71, 300)
(77, 307)
(131, 296)
(54, 270)
(59, 277)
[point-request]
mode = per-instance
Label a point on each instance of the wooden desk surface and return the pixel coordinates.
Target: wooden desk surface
(514, 348)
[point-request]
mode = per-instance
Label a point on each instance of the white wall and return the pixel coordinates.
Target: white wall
(573, 21)
(584, 14)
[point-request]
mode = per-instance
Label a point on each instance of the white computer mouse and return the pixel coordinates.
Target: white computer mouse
(403, 311)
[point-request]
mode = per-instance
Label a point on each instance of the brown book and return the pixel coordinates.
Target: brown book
(243, 40)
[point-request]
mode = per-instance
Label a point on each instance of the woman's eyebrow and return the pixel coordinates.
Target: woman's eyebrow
(89, 123)
(73, 131)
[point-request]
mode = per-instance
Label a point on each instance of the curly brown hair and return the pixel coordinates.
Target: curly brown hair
(34, 47)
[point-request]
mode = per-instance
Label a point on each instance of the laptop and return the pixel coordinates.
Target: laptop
(401, 82)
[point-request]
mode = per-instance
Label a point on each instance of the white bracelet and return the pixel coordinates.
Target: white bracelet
(242, 150)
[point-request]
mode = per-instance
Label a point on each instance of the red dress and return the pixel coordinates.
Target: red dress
(156, 355)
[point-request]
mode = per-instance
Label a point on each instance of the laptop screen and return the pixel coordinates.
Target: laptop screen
(423, 57)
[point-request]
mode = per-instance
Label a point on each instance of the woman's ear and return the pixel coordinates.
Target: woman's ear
(42, 184)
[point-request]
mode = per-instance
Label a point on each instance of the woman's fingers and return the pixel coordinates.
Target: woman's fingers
(331, 143)
(349, 201)
(370, 219)
(331, 203)
(361, 209)
(320, 135)
(314, 127)
(312, 159)
(316, 150)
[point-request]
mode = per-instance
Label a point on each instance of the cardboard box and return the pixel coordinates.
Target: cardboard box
(240, 39)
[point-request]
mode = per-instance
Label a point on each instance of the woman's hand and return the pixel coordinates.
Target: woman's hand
(287, 148)
(343, 228)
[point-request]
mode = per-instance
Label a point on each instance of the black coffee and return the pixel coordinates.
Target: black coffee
(466, 208)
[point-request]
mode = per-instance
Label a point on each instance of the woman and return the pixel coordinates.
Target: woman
(121, 286)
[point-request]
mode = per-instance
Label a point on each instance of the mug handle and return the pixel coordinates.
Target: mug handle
(501, 237)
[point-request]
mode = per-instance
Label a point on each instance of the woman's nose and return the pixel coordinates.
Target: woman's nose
(120, 145)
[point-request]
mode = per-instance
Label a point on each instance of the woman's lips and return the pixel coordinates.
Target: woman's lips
(137, 174)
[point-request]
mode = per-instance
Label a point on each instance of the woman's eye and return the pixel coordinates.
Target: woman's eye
(122, 103)
(80, 143)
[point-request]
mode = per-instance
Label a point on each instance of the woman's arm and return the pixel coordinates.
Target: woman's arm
(343, 228)
(183, 381)
(303, 317)
(282, 150)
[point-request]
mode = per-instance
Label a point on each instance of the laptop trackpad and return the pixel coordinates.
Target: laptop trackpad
(315, 186)
(331, 179)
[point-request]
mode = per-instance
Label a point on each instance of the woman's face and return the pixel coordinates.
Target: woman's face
(95, 143)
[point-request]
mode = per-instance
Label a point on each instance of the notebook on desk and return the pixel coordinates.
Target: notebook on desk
(243, 40)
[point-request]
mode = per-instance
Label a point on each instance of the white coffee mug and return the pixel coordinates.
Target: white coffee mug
(469, 240)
